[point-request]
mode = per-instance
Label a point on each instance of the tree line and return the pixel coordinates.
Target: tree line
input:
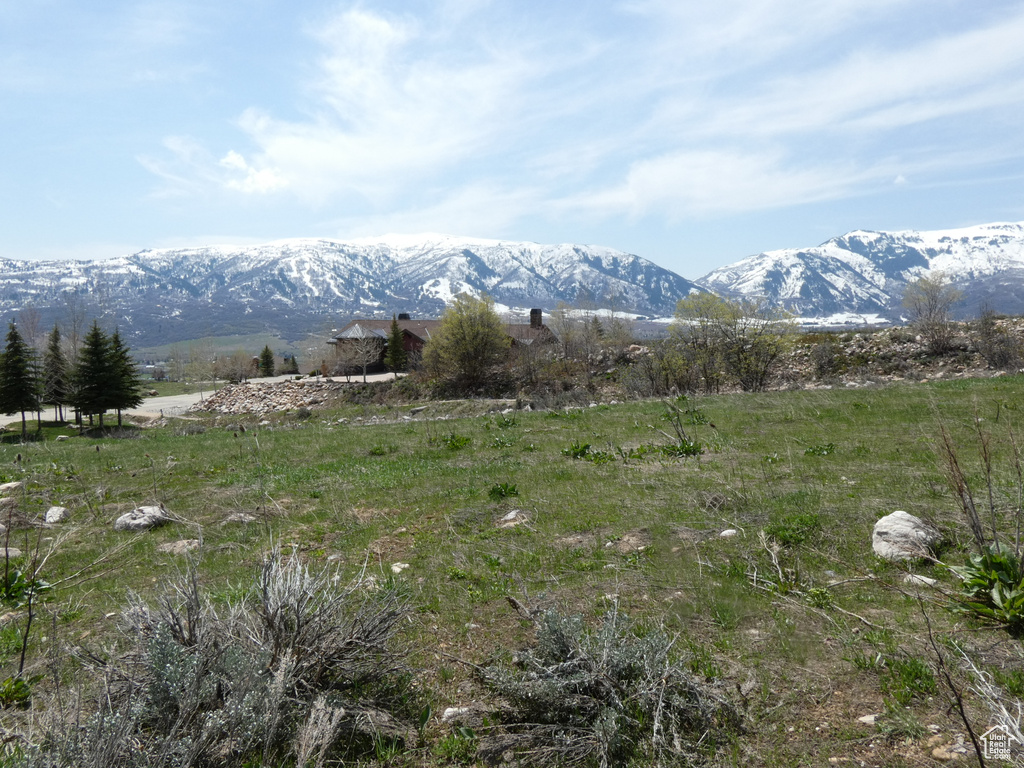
(101, 378)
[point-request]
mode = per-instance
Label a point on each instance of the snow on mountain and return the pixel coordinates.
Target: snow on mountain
(293, 286)
(865, 273)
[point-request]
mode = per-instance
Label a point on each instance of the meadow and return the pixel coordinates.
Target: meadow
(612, 507)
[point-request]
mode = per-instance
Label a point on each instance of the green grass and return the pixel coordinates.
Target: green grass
(641, 525)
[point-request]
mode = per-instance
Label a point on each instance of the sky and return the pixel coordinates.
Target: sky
(688, 132)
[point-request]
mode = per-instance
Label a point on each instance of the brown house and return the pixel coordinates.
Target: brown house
(365, 342)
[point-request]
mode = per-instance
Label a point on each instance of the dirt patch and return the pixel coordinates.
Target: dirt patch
(364, 515)
(576, 541)
(632, 541)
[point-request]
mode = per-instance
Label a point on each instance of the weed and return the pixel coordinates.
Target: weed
(908, 678)
(501, 491)
(15, 692)
(452, 441)
(819, 597)
(383, 449)
(821, 450)
(17, 591)
(576, 450)
(458, 747)
(992, 587)
(795, 528)
(898, 722)
(503, 441)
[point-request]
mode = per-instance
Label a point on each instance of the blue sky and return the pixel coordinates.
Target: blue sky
(689, 132)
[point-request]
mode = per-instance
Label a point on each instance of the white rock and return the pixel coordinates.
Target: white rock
(398, 567)
(901, 536)
(923, 581)
(9, 488)
(512, 519)
(141, 519)
(10, 552)
(451, 713)
(57, 514)
(179, 547)
(728, 533)
(240, 517)
(61, 438)
(867, 719)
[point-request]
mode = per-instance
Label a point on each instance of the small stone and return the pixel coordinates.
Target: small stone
(452, 713)
(728, 533)
(179, 547)
(9, 488)
(867, 719)
(61, 438)
(56, 515)
(398, 567)
(922, 581)
(239, 517)
(10, 552)
(512, 519)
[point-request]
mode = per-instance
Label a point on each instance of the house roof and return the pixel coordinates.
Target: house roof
(522, 333)
(358, 329)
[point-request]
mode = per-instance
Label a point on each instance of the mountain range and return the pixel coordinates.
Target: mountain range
(865, 273)
(294, 287)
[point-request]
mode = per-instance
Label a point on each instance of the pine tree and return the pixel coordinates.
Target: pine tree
(128, 385)
(396, 357)
(267, 362)
(95, 380)
(19, 379)
(55, 375)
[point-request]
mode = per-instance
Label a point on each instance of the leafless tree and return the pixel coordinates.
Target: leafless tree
(358, 352)
(929, 301)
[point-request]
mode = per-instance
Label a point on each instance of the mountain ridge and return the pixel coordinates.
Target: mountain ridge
(866, 272)
(292, 286)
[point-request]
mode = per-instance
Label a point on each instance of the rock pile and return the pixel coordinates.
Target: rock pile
(260, 398)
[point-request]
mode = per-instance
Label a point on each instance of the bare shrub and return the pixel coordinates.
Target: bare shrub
(603, 697)
(304, 669)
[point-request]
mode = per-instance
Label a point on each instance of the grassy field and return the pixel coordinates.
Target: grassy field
(793, 618)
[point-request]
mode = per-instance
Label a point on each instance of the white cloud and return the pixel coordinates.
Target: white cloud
(674, 109)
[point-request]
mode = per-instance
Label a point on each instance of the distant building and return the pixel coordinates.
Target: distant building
(365, 341)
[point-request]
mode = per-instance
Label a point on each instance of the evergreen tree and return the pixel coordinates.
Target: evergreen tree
(127, 384)
(266, 362)
(396, 357)
(19, 380)
(95, 379)
(55, 375)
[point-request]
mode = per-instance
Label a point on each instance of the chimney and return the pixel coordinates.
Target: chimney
(404, 316)
(536, 318)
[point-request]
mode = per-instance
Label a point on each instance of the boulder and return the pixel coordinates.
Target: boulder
(57, 515)
(141, 519)
(901, 536)
(7, 489)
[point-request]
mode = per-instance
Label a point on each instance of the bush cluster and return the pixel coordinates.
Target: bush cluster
(304, 669)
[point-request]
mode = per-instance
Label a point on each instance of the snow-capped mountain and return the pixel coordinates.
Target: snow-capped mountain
(866, 272)
(296, 286)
